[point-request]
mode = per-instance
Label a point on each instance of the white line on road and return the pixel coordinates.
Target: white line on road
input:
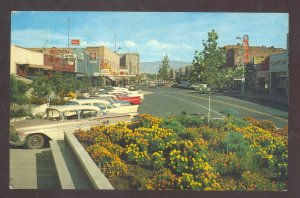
(191, 103)
(218, 101)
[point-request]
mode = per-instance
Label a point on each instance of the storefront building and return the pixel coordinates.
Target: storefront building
(27, 63)
(279, 74)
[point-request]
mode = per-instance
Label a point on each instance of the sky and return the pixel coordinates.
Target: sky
(151, 34)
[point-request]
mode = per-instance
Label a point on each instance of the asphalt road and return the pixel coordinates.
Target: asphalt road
(162, 101)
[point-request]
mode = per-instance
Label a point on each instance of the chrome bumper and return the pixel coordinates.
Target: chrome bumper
(17, 143)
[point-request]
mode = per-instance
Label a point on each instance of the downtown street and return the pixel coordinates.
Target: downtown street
(163, 101)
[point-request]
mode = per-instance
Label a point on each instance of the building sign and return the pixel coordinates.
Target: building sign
(263, 74)
(246, 48)
(93, 57)
(279, 63)
(56, 51)
(258, 60)
(79, 54)
(75, 42)
(123, 72)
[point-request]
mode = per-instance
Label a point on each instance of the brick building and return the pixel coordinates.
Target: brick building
(130, 62)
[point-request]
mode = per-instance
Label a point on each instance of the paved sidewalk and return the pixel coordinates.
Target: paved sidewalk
(260, 96)
(32, 169)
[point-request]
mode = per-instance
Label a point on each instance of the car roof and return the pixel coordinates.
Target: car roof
(90, 100)
(73, 107)
(103, 96)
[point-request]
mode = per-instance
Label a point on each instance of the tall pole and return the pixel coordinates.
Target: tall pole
(208, 115)
(243, 65)
(243, 76)
(115, 42)
(68, 34)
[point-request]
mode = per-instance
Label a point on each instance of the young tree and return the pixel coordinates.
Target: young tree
(164, 69)
(208, 64)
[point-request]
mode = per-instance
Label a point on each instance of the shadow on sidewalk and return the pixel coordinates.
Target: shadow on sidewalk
(46, 172)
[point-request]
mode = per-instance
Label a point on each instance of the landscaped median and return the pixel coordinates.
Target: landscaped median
(183, 152)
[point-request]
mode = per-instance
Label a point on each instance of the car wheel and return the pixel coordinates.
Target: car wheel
(35, 141)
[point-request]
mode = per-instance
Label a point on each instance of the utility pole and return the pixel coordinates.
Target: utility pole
(115, 42)
(243, 64)
(68, 34)
(208, 115)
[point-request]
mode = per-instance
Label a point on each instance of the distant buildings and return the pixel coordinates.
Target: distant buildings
(266, 71)
(91, 61)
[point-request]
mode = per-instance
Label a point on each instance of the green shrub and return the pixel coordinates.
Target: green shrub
(239, 122)
(190, 134)
(235, 143)
(38, 100)
(226, 164)
(217, 123)
(57, 101)
(267, 124)
(249, 161)
(256, 182)
(191, 121)
(173, 125)
(19, 113)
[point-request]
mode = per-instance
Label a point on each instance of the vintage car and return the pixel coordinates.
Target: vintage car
(106, 106)
(112, 99)
(35, 133)
(134, 100)
(129, 93)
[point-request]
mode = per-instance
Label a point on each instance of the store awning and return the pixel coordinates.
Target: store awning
(46, 67)
(25, 80)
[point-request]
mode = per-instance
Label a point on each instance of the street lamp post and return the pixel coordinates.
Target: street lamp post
(243, 65)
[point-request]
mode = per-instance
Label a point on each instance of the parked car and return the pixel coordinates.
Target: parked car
(35, 133)
(193, 87)
(112, 99)
(134, 100)
(183, 85)
(203, 88)
(128, 93)
(106, 106)
(152, 84)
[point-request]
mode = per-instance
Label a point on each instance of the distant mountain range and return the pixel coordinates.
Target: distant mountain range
(152, 67)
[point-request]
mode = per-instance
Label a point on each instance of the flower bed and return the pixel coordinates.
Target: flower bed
(184, 153)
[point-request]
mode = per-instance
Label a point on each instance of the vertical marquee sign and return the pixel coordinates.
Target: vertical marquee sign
(246, 48)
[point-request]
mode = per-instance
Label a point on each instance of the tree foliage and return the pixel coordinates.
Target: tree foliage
(18, 90)
(164, 68)
(85, 84)
(42, 86)
(208, 65)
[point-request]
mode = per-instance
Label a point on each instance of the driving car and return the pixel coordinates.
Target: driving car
(35, 133)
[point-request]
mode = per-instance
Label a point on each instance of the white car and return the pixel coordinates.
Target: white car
(106, 106)
(128, 93)
(112, 99)
(35, 133)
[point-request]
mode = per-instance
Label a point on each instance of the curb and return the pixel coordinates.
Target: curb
(97, 178)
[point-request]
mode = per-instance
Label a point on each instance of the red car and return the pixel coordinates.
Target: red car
(134, 100)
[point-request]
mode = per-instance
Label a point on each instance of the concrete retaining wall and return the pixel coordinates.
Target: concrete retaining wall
(97, 178)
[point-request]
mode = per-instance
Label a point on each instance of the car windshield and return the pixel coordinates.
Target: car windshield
(84, 114)
(53, 114)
